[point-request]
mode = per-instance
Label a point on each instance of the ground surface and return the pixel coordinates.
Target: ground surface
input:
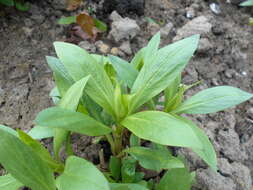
(225, 57)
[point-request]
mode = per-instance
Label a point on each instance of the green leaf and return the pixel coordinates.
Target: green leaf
(176, 179)
(126, 186)
(125, 71)
(128, 170)
(81, 174)
(212, 100)
(162, 128)
(56, 117)
(7, 2)
(80, 64)
(151, 49)
(72, 97)
(154, 159)
(9, 130)
(247, 3)
(138, 59)
(115, 167)
(22, 6)
(8, 182)
(207, 153)
(55, 95)
(100, 25)
(23, 164)
(164, 68)
(134, 140)
(39, 132)
(172, 90)
(70, 101)
(62, 78)
(41, 151)
(67, 20)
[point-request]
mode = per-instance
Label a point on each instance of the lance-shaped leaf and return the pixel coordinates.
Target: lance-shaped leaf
(39, 132)
(60, 118)
(41, 151)
(162, 128)
(24, 164)
(80, 64)
(166, 65)
(176, 179)
(62, 78)
(212, 100)
(207, 153)
(8, 182)
(167, 129)
(81, 174)
(247, 3)
(154, 159)
(127, 186)
(126, 72)
(70, 100)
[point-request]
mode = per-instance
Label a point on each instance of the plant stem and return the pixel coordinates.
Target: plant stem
(111, 142)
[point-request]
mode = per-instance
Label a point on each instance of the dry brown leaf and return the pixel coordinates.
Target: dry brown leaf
(73, 4)
(87, 24)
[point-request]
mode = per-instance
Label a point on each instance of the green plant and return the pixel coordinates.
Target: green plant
(19, 4)
(247, 4)
(111, 99)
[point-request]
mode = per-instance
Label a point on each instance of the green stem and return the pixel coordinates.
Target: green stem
(111, 142)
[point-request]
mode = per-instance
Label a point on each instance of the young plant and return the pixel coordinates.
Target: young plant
(126, 104)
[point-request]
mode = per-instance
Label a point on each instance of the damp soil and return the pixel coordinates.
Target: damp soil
(25, 79)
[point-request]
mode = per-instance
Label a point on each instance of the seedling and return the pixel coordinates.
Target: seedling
(125, 103)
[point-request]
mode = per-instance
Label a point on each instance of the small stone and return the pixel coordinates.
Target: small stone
(153, 28)
(165, 31)
(126, 47)
(229, 73)
(114, 16)
(199, 25)
(102, 47)
(28, 31)
(90, 47)
(28, 22)
(115, 51)
(190, 13)
(215, 8)
(125, 28)
(204, 45)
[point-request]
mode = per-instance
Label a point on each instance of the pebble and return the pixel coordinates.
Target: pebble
(102, 47)
(126, 47)
(124, 28)
(199, 25)
(165, 31)
(215, 8)
(90, 47)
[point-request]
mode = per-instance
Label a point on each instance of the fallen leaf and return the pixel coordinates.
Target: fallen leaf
(87, 24)
(73, 4)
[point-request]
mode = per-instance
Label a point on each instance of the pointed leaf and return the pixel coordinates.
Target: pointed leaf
(62, 78)
(81, 174)
(162, 128)
(8, 182)
(80, 64)
(67, 20)
(207, 153)
(212, 100)
(126, 72)
(247, 3)
(154, 159)
(23, 164)
(115, 166)
(39, 132)
(40, 150)
(176, 179)
(56, 117)
(166, 65)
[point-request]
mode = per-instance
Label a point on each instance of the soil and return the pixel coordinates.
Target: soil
(226, 58)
